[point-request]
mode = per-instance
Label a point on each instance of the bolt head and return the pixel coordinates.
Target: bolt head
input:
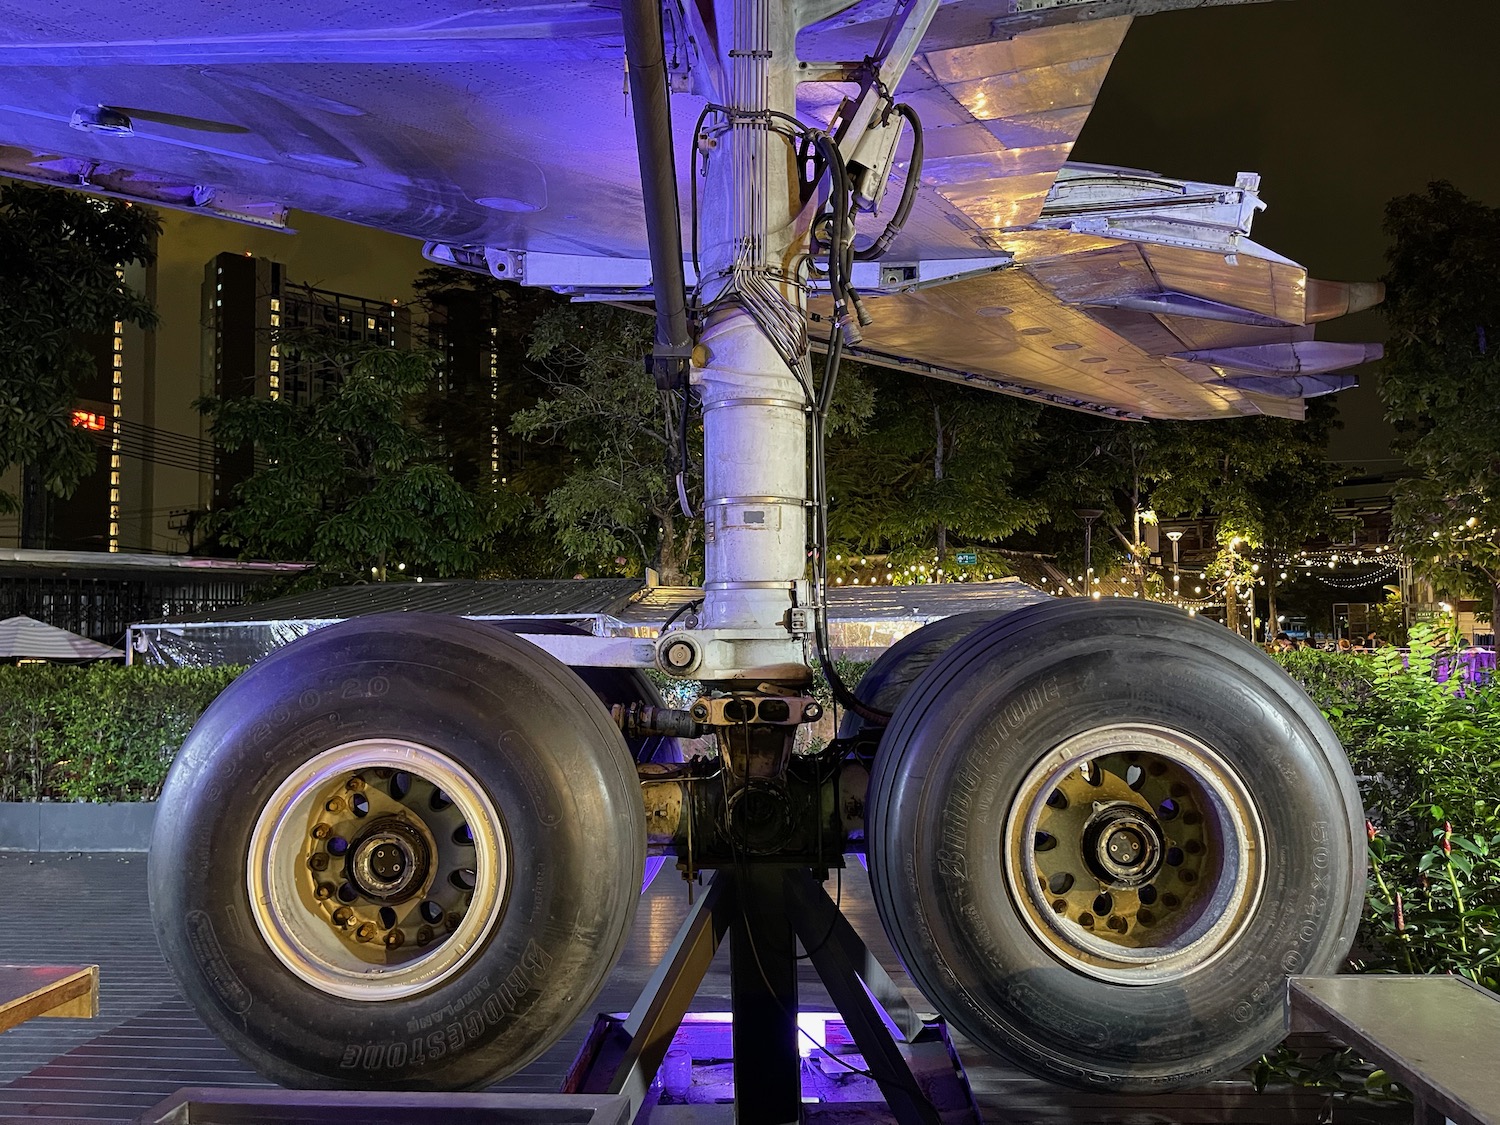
(366, 932)
(679, 655)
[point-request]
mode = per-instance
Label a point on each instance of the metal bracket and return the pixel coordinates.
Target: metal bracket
(762, 909)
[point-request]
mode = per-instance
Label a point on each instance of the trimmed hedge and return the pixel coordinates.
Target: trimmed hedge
(97, 733)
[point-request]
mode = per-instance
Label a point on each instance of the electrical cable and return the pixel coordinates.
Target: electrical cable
(840, 691)
(678, 612)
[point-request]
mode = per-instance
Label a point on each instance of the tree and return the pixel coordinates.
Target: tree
(1265, 481)
(60, 253)
(927, 463)
(1441, 384)
(348, 481)
(616, 506)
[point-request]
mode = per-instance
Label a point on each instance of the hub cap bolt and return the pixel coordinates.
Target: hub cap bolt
(335, 805)
(424, 935)
(318, 861)
(342, 915)
(321, 832)
(355, 784)
(394, 939)
(366, 932)
(323, 893)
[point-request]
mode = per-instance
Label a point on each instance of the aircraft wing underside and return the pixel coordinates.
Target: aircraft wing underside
(501, 136)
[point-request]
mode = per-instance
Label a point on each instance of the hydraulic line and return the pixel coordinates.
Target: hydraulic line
(646, 57)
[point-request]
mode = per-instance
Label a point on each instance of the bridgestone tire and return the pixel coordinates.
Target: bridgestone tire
(515, 732)
(989, 757)
(616, 685)
(898, 667)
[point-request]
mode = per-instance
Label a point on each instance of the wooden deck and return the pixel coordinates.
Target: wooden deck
(146, 1042)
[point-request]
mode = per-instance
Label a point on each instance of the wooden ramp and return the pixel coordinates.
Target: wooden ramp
(1438, 1036)
(30, 991)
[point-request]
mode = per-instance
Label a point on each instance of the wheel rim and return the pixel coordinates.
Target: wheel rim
(376, 869)
(1135, 852)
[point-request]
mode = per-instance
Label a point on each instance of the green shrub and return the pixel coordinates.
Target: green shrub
(1427, 755)
(96, 733)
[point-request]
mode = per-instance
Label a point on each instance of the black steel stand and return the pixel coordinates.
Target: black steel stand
(762, 909)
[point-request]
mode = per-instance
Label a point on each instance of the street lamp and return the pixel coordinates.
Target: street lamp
(1088, 516)
(1176, 538)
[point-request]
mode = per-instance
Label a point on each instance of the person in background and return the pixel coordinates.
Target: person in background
(1282, 643)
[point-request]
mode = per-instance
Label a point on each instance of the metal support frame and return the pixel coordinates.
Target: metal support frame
(762, 909)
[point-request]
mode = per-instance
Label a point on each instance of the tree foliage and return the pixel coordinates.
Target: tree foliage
(1265, 481)
(348, 481)
(615, 506)
(1441, 383)
(59, 257)
(918, 462)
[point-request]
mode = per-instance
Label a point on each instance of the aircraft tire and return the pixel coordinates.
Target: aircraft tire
(460, 793)
(1103, 835)
(617, 685)
(897, 668)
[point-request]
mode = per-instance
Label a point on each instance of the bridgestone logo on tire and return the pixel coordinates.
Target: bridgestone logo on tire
(466, 1028)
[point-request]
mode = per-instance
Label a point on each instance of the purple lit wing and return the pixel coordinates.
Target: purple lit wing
(501, 135)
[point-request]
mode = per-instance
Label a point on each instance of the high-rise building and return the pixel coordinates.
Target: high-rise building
(110, 509)
(480, 337)
(269, 337)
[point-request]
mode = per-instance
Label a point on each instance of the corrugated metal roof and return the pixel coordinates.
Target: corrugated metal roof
(463, 597)
(859, 603)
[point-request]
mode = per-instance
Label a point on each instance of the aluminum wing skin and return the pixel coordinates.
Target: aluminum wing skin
(501, 135)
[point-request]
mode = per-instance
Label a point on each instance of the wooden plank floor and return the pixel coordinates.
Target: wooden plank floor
(147, 1042)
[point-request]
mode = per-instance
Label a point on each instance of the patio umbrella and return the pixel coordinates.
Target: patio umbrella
(27, 638)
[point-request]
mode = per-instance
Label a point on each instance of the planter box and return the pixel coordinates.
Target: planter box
(60, 827)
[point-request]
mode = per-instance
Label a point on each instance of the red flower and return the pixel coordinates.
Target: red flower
(1370, 831)
(1447, 838)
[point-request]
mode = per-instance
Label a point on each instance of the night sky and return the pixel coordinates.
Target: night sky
(1339, 104)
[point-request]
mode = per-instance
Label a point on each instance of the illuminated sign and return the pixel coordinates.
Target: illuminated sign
(89, 420)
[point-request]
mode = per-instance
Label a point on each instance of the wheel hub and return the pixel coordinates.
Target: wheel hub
(389, 863)
(375, 868)
(1133, 853)
(1122, 846)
